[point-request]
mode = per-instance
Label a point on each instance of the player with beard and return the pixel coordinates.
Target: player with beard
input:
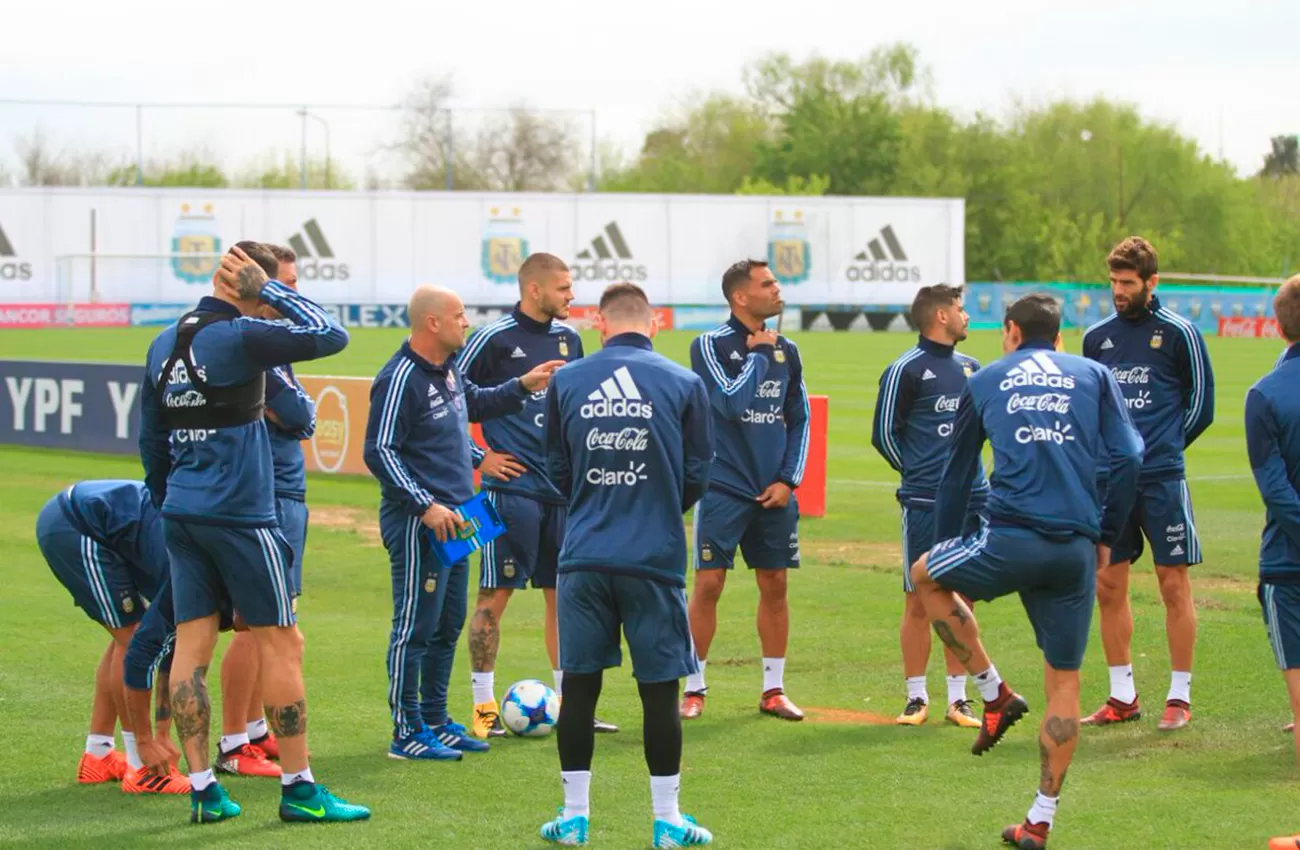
(760, 416)
(1161, 364)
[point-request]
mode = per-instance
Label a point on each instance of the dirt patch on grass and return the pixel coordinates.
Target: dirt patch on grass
(847, 717)
(364, 524)
(857, 554)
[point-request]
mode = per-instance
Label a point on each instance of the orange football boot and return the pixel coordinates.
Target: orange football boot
(93, 769)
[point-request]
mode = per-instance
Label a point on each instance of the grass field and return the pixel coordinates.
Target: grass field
(1227, 781)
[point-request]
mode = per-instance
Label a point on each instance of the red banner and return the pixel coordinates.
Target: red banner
(580, 317)
(1249, 326)
(65, 315)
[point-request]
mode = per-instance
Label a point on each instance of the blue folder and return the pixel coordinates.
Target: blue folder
(482, 525)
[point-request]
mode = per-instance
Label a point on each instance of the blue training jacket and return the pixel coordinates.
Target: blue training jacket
(1163, 368)
(417, 436)
(760, 409)
(1053, 420)
(629, 441)
(509, 348)
(296, 413)
(121, 517)
(225, 476)
(915, 408)
(1273, 444)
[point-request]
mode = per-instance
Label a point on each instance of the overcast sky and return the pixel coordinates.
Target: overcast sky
(1226, 75)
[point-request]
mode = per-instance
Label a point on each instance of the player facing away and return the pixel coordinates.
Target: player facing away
(207, 461)
(418, 446)
(1053, 420)
(103, 540)
(1163, 368)
(247, 747)
(629, 442)
(915, 408)
(760, 415)
(514, 473)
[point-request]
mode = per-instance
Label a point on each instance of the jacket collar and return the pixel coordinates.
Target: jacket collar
(936, 348)
(632, 340)
(425, 365)
(208, 304)
(528, 323)
(1036, 343)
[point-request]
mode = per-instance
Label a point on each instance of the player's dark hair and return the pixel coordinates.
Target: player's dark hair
(1134, 254)
(929, 300)
(625, 302)
(737, 274)
(282, 254)
(1286, 306)
(538, 266)
(1038, 316)
(262, 255)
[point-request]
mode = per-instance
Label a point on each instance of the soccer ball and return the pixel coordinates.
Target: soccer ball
(530, 709)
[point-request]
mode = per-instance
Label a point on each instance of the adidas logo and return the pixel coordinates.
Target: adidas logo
(320, 265)
(617, 396)
(735, 355)
(928, 376)
(517, 353)
(1037, 370)
(12, 269)
(1107, 344)
(1177, 550)
(608, 258)
(882, 261)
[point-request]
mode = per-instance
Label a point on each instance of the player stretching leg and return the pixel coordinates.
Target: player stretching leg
(514, 474)
(915, 408)
(207, 460)
(760, 414)
(624, 562)
(103, 542)
(1053, 420)
(418, 446)
(1161, 363)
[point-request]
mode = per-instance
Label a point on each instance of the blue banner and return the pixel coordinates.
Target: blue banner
(83, 406)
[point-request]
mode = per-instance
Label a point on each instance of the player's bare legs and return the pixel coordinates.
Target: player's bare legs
(191, 707)
(284, 694)
(1117, 640)
(1058, 736)
(103, 709)
(1293, 690)
(774, 636)
(240, 683)
(552, 629)
(1180, 627)
(702, 611)
(484, 644)
(914, 638)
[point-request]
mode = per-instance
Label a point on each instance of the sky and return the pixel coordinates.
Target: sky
(1224, 74)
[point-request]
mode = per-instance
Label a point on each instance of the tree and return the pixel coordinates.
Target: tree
(41, 165)
(525, 151)
(191, 168)
(285, 172)
(425, 141)
(1284, 158)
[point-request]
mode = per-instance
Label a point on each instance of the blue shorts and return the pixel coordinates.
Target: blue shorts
(293, 517)
(768, 538)
(591, 607)
(918, 538)
(100, 582)
(1056, 580)
(530, 547)
(219, 566)
(1281, 604)
(1163, 513)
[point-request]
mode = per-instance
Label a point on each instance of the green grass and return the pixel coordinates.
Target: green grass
(1228, 781)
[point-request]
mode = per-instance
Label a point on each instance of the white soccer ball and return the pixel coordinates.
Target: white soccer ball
(530, 709)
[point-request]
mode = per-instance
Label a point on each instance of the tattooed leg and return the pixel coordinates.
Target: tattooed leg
(283, 692)
(951, 619)
(191, 708)
(485, 629)
(1059, 734)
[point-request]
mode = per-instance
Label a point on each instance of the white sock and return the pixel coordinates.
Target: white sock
(257, 729)
(663, 796)
(988, 682)
(1180, 686)
(558, 677)
(230, 743)
(916, 689)
(1043, 809)
(1122, 688)
(99, 745)
(199, 781)
(577, 793)
(773, 674)
(956, 689)
(695, 681)
(484, 685)
(287, 779)
(132, 751)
